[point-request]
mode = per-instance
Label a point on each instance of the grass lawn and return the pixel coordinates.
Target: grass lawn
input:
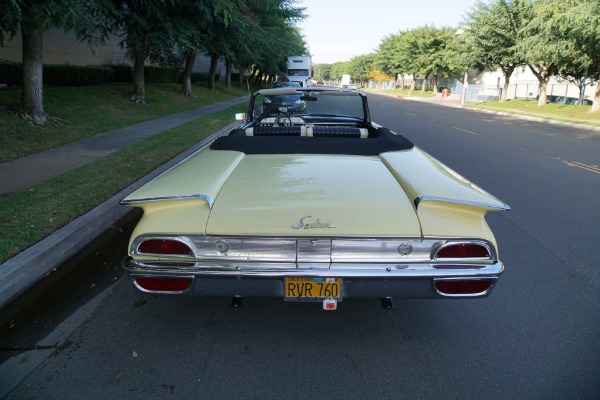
(554, 111)
(402, 93)
(32, 214)
(85, 111)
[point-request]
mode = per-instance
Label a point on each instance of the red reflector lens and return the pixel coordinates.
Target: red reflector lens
(463, 250)
(472, 286)
(164, 246)
(164, 284)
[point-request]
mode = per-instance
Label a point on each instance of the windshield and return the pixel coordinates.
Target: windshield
(308, 102)
(297, 72)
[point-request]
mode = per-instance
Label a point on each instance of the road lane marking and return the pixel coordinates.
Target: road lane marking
(414, 115)
(592, 168)
(464, 130)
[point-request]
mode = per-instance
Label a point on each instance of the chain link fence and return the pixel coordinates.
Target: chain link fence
(562, 93)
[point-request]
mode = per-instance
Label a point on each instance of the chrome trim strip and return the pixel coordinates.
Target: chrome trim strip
(443, 244)
(270, 250)
(337, 270)
(421, 199)
(208, 199)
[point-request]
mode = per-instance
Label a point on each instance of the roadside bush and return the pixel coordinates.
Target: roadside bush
(160, 74)
(198, 77)
(11, 73)
(122, 73)
(77, 75)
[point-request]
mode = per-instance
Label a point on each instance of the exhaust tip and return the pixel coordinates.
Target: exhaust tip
(387, 303)
(236, 301)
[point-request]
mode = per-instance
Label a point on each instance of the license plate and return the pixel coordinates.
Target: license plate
(312, 289)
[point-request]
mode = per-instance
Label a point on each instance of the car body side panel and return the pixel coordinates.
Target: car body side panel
(185, 217)
(422, 176)
(465, 221)
(447, 204)
(203, 173)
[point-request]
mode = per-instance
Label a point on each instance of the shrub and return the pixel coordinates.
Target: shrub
(160, 74)
(11, 73)
(76, 75)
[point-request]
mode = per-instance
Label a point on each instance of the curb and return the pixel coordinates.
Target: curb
(43, 258)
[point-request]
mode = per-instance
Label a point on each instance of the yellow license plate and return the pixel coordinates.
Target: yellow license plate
(312, 289)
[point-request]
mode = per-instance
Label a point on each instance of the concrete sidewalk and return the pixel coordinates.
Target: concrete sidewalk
(40, 260)
(37, 168)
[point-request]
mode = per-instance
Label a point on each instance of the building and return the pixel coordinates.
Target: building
(63, 48)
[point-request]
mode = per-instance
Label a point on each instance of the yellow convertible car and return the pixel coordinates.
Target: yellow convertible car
(313, 203)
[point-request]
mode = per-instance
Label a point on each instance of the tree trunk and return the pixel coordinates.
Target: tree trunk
(241, 75)
(186, 87)
(424, 87)
(413, 83)
(543, 100)
(507, 74)
(139, 56)
(214, 59)
(32, 98)
(435, 84)
(596, 104)
(228, 67)
(543, 75)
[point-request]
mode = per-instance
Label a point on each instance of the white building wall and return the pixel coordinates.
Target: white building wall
(63, 48)
(524, 84)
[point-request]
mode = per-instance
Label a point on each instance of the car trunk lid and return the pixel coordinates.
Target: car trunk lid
(313, 196)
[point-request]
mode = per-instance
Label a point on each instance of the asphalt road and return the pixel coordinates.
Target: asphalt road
(536, 337)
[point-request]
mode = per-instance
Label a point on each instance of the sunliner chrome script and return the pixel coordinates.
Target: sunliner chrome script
(317, 224)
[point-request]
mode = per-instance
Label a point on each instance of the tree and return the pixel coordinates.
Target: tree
(386, 58)
(323, 72)
(422, 50)
(544, 47)
(574, 24)
(406, 54)
(32, 18)
(493, 30)
(144, 23)
(360, 67)
(339, 69)
(262, 33)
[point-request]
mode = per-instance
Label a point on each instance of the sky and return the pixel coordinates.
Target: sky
(337, 30)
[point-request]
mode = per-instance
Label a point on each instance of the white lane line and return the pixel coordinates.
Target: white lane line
(464, 130)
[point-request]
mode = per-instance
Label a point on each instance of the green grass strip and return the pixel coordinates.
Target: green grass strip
(81, 112)
(32, 214)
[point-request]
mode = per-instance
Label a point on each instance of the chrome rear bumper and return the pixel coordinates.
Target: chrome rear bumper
(359, 280)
